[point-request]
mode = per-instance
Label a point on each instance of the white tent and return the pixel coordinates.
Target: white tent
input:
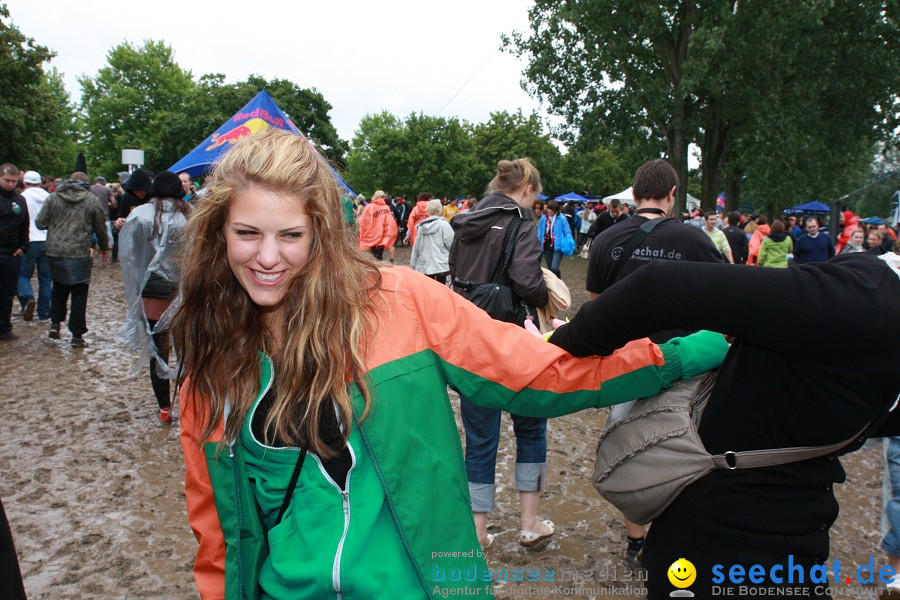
(623, 196)
(627, 197)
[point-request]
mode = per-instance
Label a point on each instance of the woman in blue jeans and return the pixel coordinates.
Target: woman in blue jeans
(476, 250)
(555, 236)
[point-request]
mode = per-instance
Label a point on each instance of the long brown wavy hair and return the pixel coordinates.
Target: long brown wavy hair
(219, 330)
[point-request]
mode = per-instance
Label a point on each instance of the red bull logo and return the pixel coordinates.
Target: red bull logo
(238, 133)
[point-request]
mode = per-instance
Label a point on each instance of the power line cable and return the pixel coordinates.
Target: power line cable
(471, 77)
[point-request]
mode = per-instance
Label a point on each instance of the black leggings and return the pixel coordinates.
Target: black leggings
(10, 576)
(160, 385)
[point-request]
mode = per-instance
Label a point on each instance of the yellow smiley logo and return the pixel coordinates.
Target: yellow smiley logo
(682, 573)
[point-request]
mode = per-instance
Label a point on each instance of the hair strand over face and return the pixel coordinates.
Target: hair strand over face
(327, 307)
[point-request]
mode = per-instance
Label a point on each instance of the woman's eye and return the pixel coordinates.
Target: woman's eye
(293, 235)
(245, 233)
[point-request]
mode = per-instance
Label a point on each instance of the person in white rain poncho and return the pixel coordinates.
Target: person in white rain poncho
(148, 251)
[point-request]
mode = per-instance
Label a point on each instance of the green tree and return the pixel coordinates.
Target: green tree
(598, 172)
(54, 140)
(816, 72)
(421, 153)
(761, 86)
(128, 104)
(367, 169)
(36, 130)
(508, 136)
(620, 62)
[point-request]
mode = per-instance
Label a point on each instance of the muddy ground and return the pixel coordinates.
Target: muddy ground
(92, 482)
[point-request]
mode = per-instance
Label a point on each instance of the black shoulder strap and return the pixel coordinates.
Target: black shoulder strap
(633, 242)
(506, 250)
(292, 485)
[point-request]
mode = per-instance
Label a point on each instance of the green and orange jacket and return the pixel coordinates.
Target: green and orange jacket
(407, 453)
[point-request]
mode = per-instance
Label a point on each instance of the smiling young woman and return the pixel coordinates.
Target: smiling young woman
(322, 455)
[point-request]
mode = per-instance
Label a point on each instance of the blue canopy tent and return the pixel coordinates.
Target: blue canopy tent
(873, 221)
(258, 114)
(810, 208)
(571, 196)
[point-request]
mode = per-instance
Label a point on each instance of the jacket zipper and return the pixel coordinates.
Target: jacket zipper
(390, 505)
(240, 520)
(237, 495)
(345, 503)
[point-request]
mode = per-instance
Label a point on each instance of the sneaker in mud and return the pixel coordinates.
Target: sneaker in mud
(633, 553)
(165, 415)
(54, 331)
(77, 342)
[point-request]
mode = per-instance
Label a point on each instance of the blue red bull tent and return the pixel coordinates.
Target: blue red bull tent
(258, 114)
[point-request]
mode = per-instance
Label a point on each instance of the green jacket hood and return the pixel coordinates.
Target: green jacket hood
(74, 192)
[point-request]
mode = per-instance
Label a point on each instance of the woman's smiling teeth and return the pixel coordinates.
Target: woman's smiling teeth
(268, 277)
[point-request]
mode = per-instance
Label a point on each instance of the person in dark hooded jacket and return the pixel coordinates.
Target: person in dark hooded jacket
(136, 193)
(475, 251)
(70, 215)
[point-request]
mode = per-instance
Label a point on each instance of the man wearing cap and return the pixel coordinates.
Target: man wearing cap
(107, 203)
(35, 196)
(13, 244)
(70, 215)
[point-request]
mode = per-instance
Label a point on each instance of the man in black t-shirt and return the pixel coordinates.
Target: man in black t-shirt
(736, 237)
(654, 196)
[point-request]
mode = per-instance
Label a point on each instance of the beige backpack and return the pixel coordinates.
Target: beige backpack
(652, 452)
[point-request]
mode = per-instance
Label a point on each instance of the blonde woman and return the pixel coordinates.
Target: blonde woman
(321, 450)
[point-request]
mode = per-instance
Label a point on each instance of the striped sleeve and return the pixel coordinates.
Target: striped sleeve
(500, 365)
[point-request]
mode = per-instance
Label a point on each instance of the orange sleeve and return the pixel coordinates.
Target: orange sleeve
(209, 564)
(502, 360)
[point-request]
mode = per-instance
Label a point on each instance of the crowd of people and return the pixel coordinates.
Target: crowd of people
(64, 227)
(310, 371)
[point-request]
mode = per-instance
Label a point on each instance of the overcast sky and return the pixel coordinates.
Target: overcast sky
(364, 57)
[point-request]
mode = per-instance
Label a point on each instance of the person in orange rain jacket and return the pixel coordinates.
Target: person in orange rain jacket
(418, 214)
(377, 228)
(850, 223)
(759, 234)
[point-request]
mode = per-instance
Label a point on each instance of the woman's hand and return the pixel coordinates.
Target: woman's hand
(531, 328)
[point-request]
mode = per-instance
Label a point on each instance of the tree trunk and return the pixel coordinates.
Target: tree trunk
(733, 191)
(715, 149)
(678, 156)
